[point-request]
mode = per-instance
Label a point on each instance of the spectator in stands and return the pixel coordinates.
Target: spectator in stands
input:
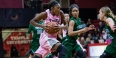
(101, 26)
(95, 35)
(96, 38)
(92, 42)
(98, 30)
(104, 34)
(82, 41)
(87, 41)
(88, 22)
(89, 36)
(101, 40)
(83, 24)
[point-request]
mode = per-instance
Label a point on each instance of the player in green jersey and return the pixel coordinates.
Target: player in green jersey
(106, 15)
(36, 35)
(74, 29)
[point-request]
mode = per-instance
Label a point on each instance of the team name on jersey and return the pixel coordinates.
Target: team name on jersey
(55, 20)
(38, 28)
(80, 26)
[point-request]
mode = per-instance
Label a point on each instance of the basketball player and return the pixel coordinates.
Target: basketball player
(36, 33)
(35, 39)
(61, 34)
(74, 28)
(49, 42)
(106, 15)
(65, 30)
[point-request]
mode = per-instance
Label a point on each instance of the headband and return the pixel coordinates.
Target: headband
(53, 3)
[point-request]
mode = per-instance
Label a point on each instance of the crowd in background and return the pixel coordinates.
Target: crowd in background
(97, 36)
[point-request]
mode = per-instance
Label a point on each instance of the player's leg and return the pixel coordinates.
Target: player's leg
(38, 53)
(60, 49)
(31, 54)
(106, 55)
(41, 52)
(80, 54)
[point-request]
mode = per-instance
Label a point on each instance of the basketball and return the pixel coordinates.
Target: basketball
(51, 26)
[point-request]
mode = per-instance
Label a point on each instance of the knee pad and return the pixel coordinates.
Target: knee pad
(36, 56)
(106, 55)
(62, 50)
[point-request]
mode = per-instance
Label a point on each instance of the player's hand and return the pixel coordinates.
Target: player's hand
(91, 27)
(56, 28)
(46, 28)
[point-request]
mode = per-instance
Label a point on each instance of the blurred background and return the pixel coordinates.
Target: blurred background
(15, 16)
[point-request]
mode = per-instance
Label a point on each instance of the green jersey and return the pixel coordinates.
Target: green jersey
(78, 25)
(112, 47)
(36, 35)
(109, 31)
(70, 41)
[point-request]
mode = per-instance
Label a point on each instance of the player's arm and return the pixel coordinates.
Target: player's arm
(29, 30)
(111, 23)
(73, 33)
(63, 21)
(37, 18)
(60, 34)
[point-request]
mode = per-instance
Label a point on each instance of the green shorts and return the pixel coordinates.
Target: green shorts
(35, 45)
(71, 46)
(112, 48)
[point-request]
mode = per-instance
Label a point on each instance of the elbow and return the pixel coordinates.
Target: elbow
(70, 34)
(31, 21)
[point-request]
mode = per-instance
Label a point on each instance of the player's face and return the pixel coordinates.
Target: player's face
(101, 15)
(75, 12)
(56, 9)
(66, 17)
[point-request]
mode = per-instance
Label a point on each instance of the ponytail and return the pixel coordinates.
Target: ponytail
(110, 14)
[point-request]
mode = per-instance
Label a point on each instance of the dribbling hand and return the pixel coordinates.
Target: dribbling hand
(57, 28)
(45, 28)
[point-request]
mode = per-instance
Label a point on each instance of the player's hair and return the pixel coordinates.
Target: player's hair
(107, 11)
(52, 3)
(71, 7)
